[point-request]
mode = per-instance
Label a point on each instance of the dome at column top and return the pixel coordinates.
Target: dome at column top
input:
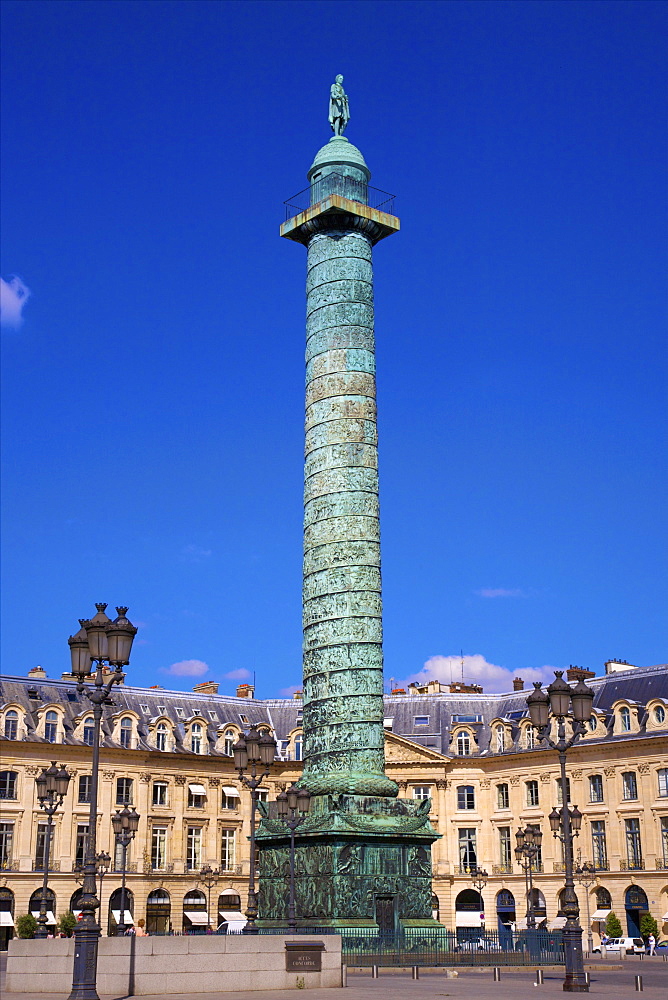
(338, 152)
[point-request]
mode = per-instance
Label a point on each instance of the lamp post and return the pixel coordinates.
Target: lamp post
(587, 877)
(528, 841)
(252, 750)
(52, 787)
(209, 876)
(293, 808)
(98, 641)
(125, 823)
(561, 704)
(479, 879)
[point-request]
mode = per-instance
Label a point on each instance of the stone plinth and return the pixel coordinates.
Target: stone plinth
(132, 966)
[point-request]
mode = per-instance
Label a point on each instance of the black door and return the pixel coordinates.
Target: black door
(385, 916)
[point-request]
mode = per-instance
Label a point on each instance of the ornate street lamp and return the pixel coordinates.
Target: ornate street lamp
(479, 879)
(253, 750)
(99, 641)
(587, 877)
(209, 876)
(293, 808)
(528, 844)
(565, 704)
(52, 787)
(125, 823)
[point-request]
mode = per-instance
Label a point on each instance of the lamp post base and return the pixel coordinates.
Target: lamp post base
(85, 963)
(575, 980)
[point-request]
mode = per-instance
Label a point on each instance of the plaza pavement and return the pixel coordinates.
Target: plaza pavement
(615, 982)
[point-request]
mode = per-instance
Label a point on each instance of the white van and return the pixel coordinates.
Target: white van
(632, 946)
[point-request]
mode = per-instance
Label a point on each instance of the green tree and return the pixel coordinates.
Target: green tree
(67, 923)
(648, 925)
(26, 926)
(613, 928)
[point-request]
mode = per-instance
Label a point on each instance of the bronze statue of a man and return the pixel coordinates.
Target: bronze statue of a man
(339, 112)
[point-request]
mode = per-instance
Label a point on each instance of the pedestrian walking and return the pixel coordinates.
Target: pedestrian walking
(651, 943)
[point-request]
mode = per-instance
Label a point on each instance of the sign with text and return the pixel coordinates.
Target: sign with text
(303, 956)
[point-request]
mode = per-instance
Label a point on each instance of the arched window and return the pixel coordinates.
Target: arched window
(34, 904)
(464, 744)
(89, 731)
(229, 739)
(298, 746)
(435, 906)
(115, 904)
(466, 797)
(196, 738)
(126, 732)
(603, 899)
(659, 714)
(51, 727)
(593, 722)
(75, 904)
(625, 719)
(161, 737)
(8, 784)
(500, 740)
(158, 909)
(11, 725)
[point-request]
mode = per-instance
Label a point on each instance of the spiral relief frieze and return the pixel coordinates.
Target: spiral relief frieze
(343, 359)
(338, 407)
(340, 338)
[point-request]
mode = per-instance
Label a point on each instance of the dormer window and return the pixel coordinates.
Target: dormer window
(196, 738)
(464, 744)
(500, 740)
(625, 719)
(88, 732)
(229, 739)
(162, 709)
(421, 720)
(659, 715)
(180, 713)
(529, 737)
(161, 735)
(11, 725)
(125, 733)
(145, 709)
(298, 746)
(51, 727)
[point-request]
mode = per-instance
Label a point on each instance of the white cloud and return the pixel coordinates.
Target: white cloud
(289, 691)
(237, 675)
(477, 670)
(13, 296)
(499, 592)
(195, 553)
(187, 668)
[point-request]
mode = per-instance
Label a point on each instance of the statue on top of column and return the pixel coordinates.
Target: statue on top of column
(339, 112)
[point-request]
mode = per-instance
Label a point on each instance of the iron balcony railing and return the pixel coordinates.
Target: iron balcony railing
(346, 187)
(505, 869)
(38, 866)
(634, 865)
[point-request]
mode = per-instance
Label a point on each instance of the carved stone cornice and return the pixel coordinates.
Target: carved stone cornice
(644, 768)
(180, 779)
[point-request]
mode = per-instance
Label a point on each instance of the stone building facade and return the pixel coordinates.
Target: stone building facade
(473, 755)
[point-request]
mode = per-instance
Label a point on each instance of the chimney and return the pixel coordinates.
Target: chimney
(206, 687)
(245, 691)
(37, 673)
(460, 687)
(614, 666)
(579, 673)
(518, 684)
(297, 695)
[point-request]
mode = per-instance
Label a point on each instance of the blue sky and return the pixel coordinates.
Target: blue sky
(153, 376)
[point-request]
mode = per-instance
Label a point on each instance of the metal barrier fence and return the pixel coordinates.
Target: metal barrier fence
(365, 946)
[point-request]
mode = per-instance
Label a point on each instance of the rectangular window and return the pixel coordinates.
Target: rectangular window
(263, 795)
(629, 785)
(118, 856)
(228, 845)
(196, 796)
(595, 787)
(466, 797)
(502, 797)
(159, 793)
(505, 848)
(421, 720)
(664, 838)
(560, 797)
(598, 845)
(633, 845)
(80, 846)
(7, 784)
(6, 844)
(40, 846)
(85, 787)
(467, 850)
(159, 848)
(194, 848)
(421, 791)
(662, 776)
(123, 791)
(532, 793)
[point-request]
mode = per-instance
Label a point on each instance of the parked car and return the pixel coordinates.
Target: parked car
(632, 946)
(661, 948)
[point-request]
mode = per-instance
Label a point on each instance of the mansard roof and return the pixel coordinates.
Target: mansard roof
(426, 719)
